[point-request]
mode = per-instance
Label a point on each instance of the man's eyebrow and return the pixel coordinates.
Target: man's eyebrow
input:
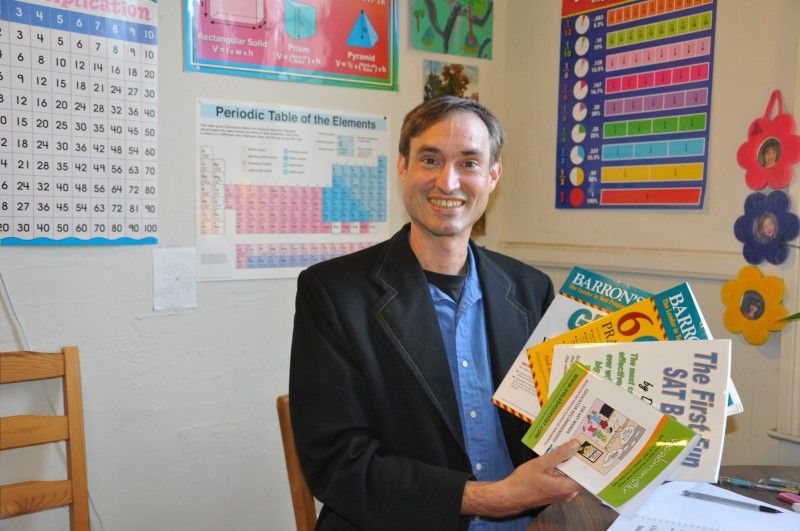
(435, 150)
(428, 149)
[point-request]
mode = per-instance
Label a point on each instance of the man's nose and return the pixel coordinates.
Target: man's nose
(448, 179)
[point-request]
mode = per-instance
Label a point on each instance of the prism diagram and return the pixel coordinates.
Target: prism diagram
(299, 20)
(237, 12)
(363, 34)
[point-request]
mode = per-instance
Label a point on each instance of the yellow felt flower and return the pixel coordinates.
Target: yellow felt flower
(753, 305)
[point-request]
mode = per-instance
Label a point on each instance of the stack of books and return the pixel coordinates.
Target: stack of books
(636, 378)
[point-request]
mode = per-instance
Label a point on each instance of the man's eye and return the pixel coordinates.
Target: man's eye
(430, 161)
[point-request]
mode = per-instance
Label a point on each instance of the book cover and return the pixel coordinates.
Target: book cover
(583, 297)
(687, 380)
(670, 315)
(628, 448)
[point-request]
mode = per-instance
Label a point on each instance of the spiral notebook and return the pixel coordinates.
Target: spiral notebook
(668, 510)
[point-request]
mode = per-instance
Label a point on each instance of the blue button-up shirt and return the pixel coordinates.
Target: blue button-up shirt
(463, 326)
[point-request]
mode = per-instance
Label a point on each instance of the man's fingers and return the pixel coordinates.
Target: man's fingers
(563, 452)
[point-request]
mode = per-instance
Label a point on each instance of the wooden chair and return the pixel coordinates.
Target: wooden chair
(305, 513)
(29, 430)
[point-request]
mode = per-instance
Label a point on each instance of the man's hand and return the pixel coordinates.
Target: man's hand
(532, 484)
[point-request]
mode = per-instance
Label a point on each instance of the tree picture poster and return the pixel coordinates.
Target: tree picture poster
(335, 42)
(634, 103)
(457, 27)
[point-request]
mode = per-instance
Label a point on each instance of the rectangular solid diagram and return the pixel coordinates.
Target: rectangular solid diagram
(247, 12)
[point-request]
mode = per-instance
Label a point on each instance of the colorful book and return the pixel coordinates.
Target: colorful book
(670, 315)
(628, 448)
(584, 296)
(686, 380)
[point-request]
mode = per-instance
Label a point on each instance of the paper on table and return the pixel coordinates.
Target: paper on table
(667, 509)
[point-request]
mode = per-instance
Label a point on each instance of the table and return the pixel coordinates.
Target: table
(586, 512)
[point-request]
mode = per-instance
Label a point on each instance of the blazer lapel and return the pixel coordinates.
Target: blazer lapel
(509, 322)
(408, 318)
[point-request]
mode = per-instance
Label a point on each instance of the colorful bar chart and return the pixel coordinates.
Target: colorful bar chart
(634, 103)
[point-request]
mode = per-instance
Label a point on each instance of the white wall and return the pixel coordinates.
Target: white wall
(179, 406)
(181, 429)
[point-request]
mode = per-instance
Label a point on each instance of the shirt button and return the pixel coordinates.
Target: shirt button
(465, 364)
(478, 466)
(473, 414)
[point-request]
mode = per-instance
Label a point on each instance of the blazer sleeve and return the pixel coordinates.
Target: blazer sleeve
(338, 435)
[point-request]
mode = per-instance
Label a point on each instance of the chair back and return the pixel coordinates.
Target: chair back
(29, 430)
(305, 513)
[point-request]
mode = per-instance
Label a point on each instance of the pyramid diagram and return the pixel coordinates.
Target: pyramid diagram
(363, 34)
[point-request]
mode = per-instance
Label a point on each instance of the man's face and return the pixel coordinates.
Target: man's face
(448, 177)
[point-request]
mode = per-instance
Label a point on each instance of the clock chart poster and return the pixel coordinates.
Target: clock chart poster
(336, 42)
(634, 103)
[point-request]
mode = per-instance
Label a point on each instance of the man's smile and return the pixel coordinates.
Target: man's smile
(446, 203)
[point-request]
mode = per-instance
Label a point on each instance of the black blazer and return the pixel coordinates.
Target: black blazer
(373, 405)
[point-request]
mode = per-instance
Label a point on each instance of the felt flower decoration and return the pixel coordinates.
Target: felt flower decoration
(753, 305)
(771, 149)
(766, 227)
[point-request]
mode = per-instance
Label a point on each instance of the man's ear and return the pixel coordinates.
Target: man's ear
(402, 167)
(495, 172)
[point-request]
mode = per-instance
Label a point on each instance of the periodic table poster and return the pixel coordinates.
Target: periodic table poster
(78, 122)
(634, 103)
(282, 188)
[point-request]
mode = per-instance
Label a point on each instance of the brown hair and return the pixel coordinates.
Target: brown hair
(435, 110)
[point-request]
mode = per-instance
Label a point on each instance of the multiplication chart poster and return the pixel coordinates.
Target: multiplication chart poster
(282, 188)
(337, 42)
(634, 103)
(78, 122)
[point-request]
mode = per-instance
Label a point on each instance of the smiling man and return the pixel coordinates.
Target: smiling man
(397, 350)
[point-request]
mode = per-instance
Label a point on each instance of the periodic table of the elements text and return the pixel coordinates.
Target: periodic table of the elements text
(78, 122)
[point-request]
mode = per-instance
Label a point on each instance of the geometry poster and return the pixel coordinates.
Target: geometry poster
(634, 103)
(282, 188)
(457, 27)
(336, 42)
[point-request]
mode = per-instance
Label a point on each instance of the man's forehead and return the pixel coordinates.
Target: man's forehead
(457, 122)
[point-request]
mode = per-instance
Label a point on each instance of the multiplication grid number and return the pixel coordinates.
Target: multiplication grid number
(78, 123)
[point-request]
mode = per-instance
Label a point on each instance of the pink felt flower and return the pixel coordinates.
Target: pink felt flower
(771, 149)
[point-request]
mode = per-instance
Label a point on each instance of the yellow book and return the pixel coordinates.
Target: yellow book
(672, 314)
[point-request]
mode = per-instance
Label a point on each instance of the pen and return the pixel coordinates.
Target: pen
(750, 485)
(780, 482)
(728, 501)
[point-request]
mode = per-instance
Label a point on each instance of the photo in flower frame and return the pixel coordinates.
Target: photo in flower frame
(771, 149)
(766, 228)
(753, 305)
